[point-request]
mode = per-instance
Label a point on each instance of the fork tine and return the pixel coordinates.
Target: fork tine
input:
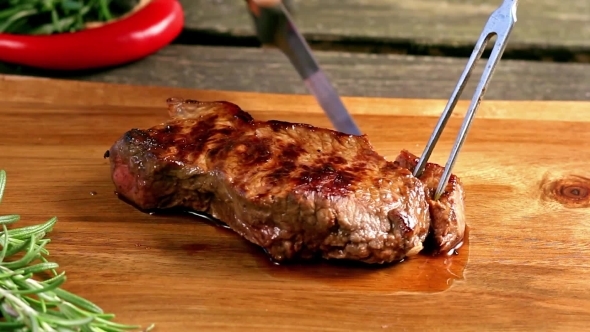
(500, 24)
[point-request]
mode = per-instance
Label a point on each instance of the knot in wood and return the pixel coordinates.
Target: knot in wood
(571, 191)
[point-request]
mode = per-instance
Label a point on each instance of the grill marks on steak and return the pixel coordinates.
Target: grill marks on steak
(296, 190)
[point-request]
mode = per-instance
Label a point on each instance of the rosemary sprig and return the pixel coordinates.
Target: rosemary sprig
(30, 300)
(56, 16)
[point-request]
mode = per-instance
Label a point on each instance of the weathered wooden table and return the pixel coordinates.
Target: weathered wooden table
(385, 48)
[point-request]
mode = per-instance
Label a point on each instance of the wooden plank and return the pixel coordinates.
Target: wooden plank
(542, 24)
(267, 70)
(527, 265)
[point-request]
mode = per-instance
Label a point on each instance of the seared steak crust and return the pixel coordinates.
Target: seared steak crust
(295, 190)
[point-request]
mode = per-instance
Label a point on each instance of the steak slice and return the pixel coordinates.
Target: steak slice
(447, 226)
(295, 190)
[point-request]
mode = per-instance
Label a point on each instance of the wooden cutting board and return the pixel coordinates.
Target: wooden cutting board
(526, 266)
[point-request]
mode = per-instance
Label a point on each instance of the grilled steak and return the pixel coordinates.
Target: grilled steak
(295, 190)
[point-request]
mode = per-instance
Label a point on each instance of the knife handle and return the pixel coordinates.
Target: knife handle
(275, 27)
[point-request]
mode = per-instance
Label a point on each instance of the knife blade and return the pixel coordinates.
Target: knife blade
(275, 27)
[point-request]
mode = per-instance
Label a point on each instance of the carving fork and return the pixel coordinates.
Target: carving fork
(500, 24)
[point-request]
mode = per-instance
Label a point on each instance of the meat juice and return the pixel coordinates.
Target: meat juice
(423, 273)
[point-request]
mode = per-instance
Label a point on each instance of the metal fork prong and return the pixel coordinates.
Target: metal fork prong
(477, 97)
(500, 24)
(446, 115)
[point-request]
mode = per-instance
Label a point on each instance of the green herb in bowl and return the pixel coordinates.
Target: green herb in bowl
(36, 17)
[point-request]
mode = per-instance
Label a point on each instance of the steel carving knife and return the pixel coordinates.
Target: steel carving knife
(275, 27)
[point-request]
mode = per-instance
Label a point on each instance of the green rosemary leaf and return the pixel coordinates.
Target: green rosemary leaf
(39, 267)
(7, 274)
(117, 325)
(72, 312)
(89, 329)
(10, 326)
(16, 303)
(2, 183)
(106, 328)
(25, 232)
(52, 279)
(14, 246)
(8, 284)
(38, 305)
(9, 219)
(35, 325)
(106, 316)
(32, 253)
(44, 260)
(5, 245)
(78, 301)
(48, 317)
(42, 289)
(26, 258)
(43, 305)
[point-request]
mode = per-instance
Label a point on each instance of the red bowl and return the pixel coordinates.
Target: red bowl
(126, 39)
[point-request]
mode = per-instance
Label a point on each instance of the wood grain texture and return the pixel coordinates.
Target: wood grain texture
(541, 23)
(528, 266)
(399, 76)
